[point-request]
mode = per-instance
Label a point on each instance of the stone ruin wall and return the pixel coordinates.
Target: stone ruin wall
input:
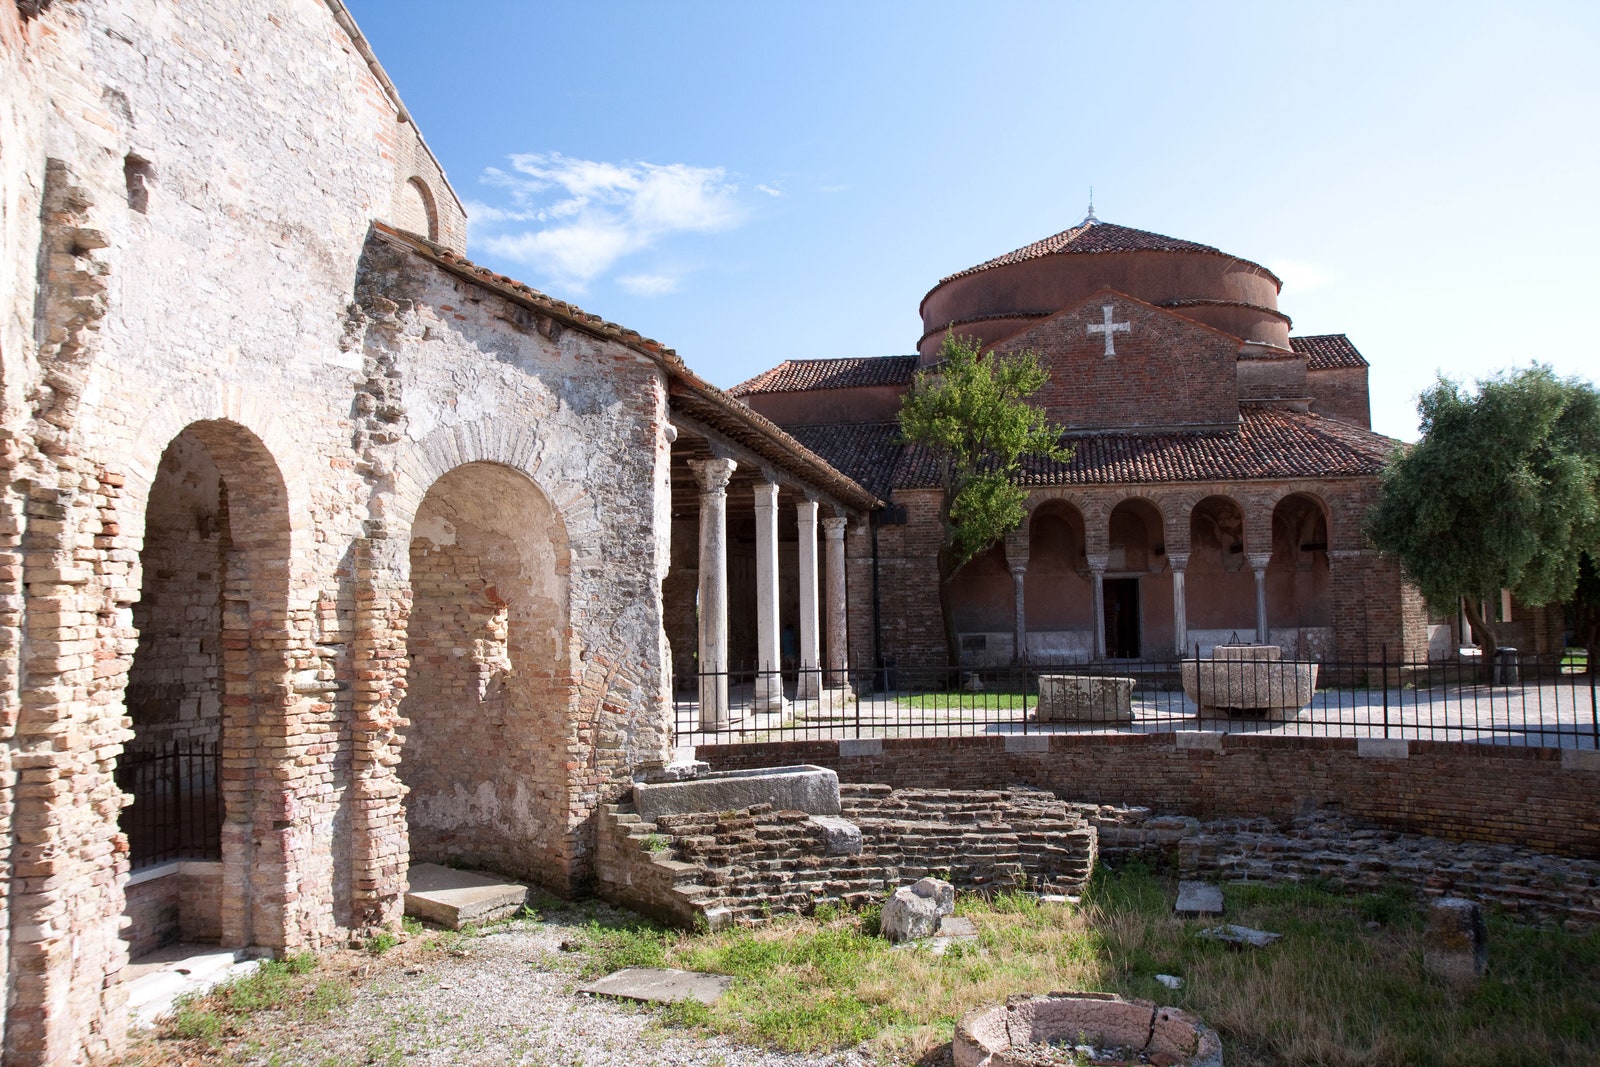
(186, 199)
(742, 867)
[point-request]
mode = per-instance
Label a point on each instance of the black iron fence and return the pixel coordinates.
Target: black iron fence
(177, 803)
(1546, 701)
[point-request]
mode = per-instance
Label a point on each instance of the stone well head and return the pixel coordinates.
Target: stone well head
(1043, 1030)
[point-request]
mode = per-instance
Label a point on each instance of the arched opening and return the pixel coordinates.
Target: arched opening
(1220, 588)
(206, 694)
(985, 610)
(1057, 590)
(415, 210)
(1137, 594)
(489, 687)
(1297, 577)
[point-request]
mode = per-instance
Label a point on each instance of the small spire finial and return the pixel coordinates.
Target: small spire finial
(1090, 216)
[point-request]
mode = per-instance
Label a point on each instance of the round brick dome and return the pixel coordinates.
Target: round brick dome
(1010, 292)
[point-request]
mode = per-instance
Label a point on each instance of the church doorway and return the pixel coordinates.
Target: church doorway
(489, 685)
(1122, 618)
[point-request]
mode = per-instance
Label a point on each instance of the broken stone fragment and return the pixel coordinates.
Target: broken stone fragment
(908, 916)
(841, 837)
(942, 893)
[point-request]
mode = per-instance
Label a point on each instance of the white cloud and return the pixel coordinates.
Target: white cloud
(589, 214)
(770, 190)
(648, 284)
(1299, 276)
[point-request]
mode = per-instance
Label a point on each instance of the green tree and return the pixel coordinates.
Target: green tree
(1502, 492)
(971, 411)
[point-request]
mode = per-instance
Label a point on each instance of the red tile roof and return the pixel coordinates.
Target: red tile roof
(1327, 351)
(1268, 444)
(1094, 236)
(803, 375)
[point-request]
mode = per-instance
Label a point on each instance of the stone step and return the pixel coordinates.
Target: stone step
(453, 898)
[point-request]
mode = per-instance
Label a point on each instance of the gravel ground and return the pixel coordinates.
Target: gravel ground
(508, 996)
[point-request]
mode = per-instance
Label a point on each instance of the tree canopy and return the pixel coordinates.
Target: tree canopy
(971, 411)
(1502, 492)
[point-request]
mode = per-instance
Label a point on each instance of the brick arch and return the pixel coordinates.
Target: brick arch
(259, 643)
(492, 690)
(509, 444)
(224, 405)
(1310, 492)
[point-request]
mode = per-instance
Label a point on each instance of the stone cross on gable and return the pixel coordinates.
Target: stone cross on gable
(1110, 329)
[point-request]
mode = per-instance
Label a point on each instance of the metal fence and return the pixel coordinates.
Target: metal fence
(177, 806)
(1543, 701)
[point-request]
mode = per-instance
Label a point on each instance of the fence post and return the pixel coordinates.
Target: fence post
(1385, 683)
(1594, 709)
(1024, 699)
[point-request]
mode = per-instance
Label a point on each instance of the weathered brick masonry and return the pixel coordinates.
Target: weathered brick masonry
(1543, 799)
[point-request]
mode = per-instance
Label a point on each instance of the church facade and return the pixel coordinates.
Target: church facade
(1216, 493)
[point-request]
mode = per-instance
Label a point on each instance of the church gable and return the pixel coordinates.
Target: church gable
(1116, 363)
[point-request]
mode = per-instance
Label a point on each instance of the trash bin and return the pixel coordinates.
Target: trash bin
(1505, 667)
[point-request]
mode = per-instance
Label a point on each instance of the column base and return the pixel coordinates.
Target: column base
(809, 685)
(769, 699)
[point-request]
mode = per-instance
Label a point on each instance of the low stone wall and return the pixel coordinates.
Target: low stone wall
(1543, 799)
(179, 901)
(742, 866)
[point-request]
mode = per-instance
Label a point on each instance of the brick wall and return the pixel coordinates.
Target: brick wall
(1543, 799)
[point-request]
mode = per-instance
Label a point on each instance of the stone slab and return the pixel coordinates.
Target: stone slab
(1383, 748)
(1198, 898)
(1239, 935)
(1580, 759)
(957, 926)
(660, 985)
(860, 746)
(1198, 740)
(1085, 698)
(813, 790)
(453, 898)
(1027, 743)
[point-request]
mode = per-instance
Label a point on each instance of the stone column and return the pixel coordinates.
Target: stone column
(1097, 571)
(1180, 610)
(1258, 564)
(837, 674)
(713, 475)
(1019, 571)
(769, 677)
(809, 686)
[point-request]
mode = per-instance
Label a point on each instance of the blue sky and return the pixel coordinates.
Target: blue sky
(752, 182)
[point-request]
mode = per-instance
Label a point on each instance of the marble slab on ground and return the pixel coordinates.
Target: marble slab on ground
(1198, 898)
(1240, 935)
(660, 985)
(453, 898)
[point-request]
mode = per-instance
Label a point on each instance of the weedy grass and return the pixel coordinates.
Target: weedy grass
(1335, 990)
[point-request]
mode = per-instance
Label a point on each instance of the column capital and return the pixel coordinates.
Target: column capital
(1259, 560)
(1098, 562)
(834, 526)
(805, 509)
(1177, 560)
(1017, 567)
(766, 495)
(713, 474)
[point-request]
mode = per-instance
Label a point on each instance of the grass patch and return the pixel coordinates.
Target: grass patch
(960, 700)
(613, 946)
(1345, 986)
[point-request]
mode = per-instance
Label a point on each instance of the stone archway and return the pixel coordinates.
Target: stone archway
(490, 689)
(1059, 595)
(208, 695)
(1221, 588)
(1137, 605)
(1298, 598)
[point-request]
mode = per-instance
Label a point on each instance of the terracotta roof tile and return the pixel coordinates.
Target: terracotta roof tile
(1268, 444)
(1093, 236)
(1327, 351)
(802, 375)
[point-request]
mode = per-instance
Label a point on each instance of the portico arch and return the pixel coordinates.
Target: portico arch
(1221, 587)
(1297, 575)
(1136, 598)
(1059, 593)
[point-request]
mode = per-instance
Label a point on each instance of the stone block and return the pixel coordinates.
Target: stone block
(453, 898)
(1085, 698)
(814, 790)
(841, 837)
(1198, 898)
(942, 893)
(1455, 947)
(908, 916)
(1231, 683)
(1383, 748)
